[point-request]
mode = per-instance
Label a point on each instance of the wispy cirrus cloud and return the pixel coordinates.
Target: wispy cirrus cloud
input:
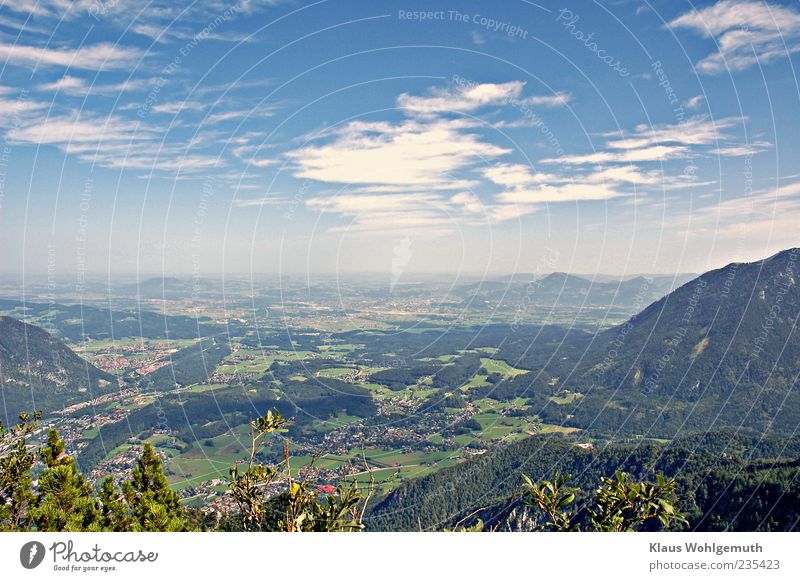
(166, 32)
(76, 128)
(653, 153)
(558, 99)
(741, 150)
(698, 130)
(517, 175)
(177, 107)
(664, 142)
(157, 9)
(94, 57)
(747, 32)
(546, 193)
(109, 141)
(694, 102)
(767, 215)
(13, 110)
(48, 8)
(78, 87)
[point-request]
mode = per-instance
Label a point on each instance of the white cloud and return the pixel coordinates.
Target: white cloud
(42, 7)
(96, 57)
(477, 38)
(561, 193)
(769, 215)
(517, 175)
(462, 98)
(66, 84)
(357, 204)
(236, 115)
(403, 170)
(506, 212)
(524, 189)
(177, 107)
(250, 154)
(654, 153)
(725, 15)
(15, 110)
(746, 149)
(156, 32)
(450, 185)
(694, 102)
(623, 174)
(410, 153)
(110, 141)
(104, 10)
(471, 97)
(698, 130)
(747, 32)
(468, 202)
(558, 99)
(76, 128)
(659, 143)
(76, 86)
(167, 31)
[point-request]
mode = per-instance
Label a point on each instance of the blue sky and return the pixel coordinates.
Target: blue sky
(338, 136)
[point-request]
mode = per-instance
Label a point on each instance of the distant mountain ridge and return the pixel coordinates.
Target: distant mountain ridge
(39, 372)
(78, 322)
(562, 290)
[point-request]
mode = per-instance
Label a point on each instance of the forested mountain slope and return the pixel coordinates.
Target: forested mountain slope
(39, 372)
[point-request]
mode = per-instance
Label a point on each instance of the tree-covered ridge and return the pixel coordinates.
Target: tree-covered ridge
(39, 371)
(715, 491)
(193, 364)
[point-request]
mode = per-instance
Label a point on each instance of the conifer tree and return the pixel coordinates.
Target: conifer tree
(16, 462)
(64, 501)
(115, 515)
(153, 504)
